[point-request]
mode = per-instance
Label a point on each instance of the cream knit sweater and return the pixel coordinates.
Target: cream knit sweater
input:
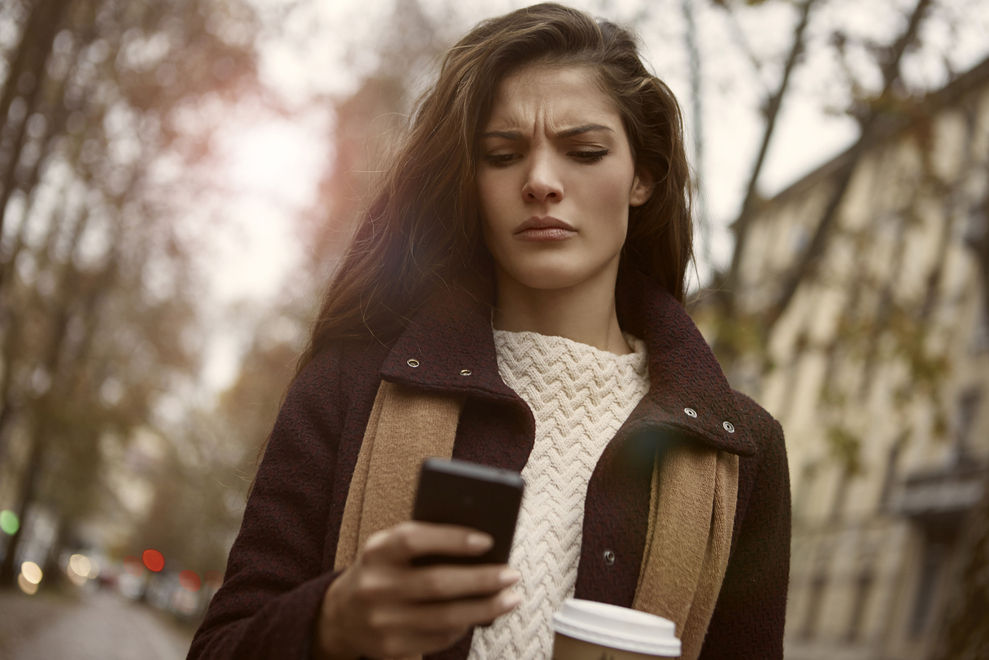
(579, 396)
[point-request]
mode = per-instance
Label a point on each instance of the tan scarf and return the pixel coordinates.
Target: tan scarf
(691, 505)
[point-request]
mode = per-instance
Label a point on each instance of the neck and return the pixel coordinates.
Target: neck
(589, 317)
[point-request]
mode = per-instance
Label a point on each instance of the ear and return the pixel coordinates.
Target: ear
(641, 189)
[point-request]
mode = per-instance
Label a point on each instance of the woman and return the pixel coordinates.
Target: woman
(516, 285)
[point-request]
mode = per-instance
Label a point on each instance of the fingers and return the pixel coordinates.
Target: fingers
(455, 615)
(422, 628)
(433, 583)
(382, 605)
(399, 544)
(449, 582)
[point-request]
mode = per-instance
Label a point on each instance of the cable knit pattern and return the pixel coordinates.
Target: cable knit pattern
(579, 396)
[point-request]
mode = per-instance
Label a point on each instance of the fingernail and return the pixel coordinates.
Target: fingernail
(509, 576)
(478, 541)
(511, 599)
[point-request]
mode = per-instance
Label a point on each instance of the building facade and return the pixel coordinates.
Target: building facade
(878, 370)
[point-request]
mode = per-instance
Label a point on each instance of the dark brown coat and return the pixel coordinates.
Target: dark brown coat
(281, 562)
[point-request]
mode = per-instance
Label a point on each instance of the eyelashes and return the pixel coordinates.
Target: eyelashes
(501, 160)
(586, 156)
(589, 156)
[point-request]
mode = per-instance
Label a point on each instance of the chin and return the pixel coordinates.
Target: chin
(551, 279)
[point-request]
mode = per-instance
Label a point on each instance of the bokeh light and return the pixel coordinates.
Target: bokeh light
(213, 579)
(27, 587)
(31, 573)
(133, 565)
(153, 560)
(80, 566)
(190, 580)
(9, 523)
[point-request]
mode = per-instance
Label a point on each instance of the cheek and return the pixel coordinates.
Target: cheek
(612, 194)
(492, 196)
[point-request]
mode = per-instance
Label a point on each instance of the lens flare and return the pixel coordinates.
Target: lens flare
(153, 560)
(9, 523)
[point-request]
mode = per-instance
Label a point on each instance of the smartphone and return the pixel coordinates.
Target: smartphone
(462, 493)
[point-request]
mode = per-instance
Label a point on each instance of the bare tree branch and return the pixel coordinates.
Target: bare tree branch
(741, 225)
(806, 262)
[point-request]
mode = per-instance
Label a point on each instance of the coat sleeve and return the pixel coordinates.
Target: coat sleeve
(274, 582)
(751, 609)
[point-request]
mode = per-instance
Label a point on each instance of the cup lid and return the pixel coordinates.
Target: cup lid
(617, 627)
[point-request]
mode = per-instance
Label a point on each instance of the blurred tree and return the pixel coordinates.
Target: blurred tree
(871, 111)
(368, 122)
(202, 482)
(105, 105)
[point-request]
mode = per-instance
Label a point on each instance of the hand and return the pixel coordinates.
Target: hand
(383, 606)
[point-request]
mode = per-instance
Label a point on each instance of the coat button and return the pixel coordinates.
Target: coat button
(728, 426)
(690, 412)
(465, 372)
(412, 362)
(609, 557)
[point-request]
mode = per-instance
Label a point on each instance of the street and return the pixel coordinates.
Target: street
(84, 626)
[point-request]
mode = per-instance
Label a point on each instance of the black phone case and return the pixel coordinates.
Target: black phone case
(472, 495)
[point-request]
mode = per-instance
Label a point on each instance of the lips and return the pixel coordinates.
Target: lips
(544, 222)
(544, 228)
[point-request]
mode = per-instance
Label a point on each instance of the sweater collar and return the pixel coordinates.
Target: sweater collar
(448, 346)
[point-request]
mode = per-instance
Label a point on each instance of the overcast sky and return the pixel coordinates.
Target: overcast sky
(324, 47)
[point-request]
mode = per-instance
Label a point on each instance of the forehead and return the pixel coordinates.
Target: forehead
(555, 95)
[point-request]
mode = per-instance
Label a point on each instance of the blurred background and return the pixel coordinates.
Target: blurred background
(178, 179)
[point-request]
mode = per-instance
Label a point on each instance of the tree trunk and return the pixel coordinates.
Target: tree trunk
(56, 116)
(30, 479)
(31, 57)
(39, 438)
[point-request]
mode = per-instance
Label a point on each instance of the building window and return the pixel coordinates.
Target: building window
(792, 375)
(976, 236)
(863, 589)
(930, 568)
(889, 475)
(980, 341)
(818, 585)
(841, 492)
(805, 486)
(968, 408)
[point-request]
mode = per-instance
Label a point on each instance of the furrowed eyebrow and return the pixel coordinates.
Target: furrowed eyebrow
(507, 135)
(564, 134)
(578, 130)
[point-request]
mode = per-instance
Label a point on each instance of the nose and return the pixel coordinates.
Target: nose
(542, 182)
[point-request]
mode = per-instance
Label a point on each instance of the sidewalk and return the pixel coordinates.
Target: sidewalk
(86, 626)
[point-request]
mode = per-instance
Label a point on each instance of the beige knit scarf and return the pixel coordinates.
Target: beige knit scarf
(691, 505)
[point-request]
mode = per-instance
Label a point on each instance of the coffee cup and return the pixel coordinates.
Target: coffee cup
(589, 630)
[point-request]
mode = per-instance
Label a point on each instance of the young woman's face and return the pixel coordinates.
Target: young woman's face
(555, 179)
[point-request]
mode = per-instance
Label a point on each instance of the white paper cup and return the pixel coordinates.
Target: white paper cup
(588, 630)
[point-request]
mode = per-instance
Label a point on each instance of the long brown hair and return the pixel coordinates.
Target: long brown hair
(422, 230)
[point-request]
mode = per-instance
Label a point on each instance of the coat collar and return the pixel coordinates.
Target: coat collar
(448, 346)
